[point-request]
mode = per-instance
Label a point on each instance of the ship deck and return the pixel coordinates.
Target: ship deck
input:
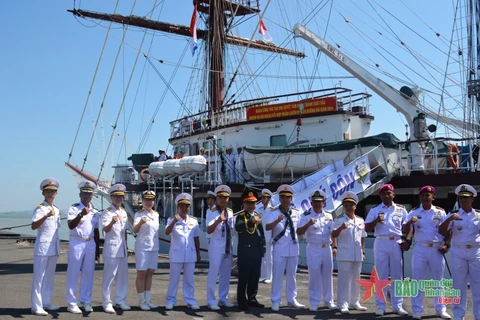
(16, 267)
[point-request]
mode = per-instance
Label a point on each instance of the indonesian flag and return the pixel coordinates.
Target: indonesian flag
(264, 32)
(193, 30)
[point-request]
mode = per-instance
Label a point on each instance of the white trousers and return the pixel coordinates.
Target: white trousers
(466, 268)
(188, 283)
(231, 175)
(115, 269)
(388, 261)
(280, 265)
(423, 259)
(43, 279)
(348, 290)
(320, 274)
(220, 264)
(81, 260)
(267, 262)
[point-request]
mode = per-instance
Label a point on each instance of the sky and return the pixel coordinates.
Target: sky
(48, 60)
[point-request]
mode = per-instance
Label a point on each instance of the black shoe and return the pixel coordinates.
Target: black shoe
(255, 304)
(243, 306)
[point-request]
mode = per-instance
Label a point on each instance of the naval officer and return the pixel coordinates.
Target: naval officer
(184, 252)
(387, 220)
(264, 211)
(83, 248)
(350, 234)
(316, 224)
(464, 226)
(429, 248)
(251, 246)
(220, 252)
(46, 220)
(283, 222)
(146, 227)
(115, 256)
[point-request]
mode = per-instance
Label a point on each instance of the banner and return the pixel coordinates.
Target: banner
(355, 178)
(289, 109)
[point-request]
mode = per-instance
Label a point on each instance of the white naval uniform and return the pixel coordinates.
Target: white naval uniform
(115, 256)
(285, 257)
(46, 252)
(81, 254)
(220, 262)
(319, 256)
(425, 251)
(182, 255)
(266, 269)
(147, 236)
(388, 254)
(239, 167)
(465, 259)
(230, 163)
(349, 259)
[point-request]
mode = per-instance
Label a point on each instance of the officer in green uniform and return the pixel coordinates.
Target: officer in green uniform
(251, 248)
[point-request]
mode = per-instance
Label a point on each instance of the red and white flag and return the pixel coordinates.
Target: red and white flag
(264, 32)
(193, 30)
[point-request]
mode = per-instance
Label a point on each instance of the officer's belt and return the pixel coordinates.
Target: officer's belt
(467, 246)
(429, 244)
(80, 238)
(397, 237)
(322, 245)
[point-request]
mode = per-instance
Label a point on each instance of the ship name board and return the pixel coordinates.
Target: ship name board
(290, 109)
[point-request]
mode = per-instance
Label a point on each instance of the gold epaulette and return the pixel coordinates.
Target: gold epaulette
(108, 209)
(241, 213)
(139, 210)
(295, 208)
(213, 209)
(40, 205)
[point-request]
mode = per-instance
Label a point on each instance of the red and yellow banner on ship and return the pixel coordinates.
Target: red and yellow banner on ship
(290, 109)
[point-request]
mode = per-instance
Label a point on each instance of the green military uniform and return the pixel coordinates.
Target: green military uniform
(251, 246)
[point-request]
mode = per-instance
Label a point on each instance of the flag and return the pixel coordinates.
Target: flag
(264, 32)
(193, 30)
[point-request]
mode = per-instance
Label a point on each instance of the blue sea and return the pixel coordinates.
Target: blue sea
(20, 221)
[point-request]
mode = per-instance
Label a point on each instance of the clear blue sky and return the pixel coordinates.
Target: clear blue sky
(48, 59)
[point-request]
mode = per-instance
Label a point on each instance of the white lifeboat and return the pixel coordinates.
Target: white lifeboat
(156, 169)
(178, 166)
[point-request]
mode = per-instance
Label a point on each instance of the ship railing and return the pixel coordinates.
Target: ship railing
(441, 156)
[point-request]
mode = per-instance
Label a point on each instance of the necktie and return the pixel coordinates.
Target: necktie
(227, 236)
(289, 223)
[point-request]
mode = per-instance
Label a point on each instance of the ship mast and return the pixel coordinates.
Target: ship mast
(216, 14)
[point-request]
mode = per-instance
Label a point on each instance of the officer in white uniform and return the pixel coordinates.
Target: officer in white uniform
(46, 220)
(115, 256)
(464, 226)
(239, 165)
(146, 227)
(316, 224)
(220, 224)
(83, 248)
(349, 232)
(230, 164)
(386, 220)
(282, 221)
(429, 249)
(264, 210)
(184, 252)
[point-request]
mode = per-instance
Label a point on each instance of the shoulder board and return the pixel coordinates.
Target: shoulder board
(192, 217)
(229, 209)
(139, 210)
(274, 208)
(40, 205)
(454, 211)
(256, 212)
(295, 208)
(75, 204)
(55, 206)
(476, 210)
(241, 213)
(415, 208)
(213, 209)
(108, 209)
(307, 212)
(399, 205)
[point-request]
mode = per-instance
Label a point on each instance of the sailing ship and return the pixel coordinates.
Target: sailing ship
(301, 126)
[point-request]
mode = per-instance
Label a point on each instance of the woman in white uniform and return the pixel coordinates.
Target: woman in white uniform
(146, 227)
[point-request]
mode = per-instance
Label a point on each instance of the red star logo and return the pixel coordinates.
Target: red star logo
(374, 284)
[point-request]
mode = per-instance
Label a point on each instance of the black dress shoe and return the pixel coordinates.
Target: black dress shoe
(243, 306)
(255, 304)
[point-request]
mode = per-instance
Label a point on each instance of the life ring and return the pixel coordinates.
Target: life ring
(142, 174)
(453, 153)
